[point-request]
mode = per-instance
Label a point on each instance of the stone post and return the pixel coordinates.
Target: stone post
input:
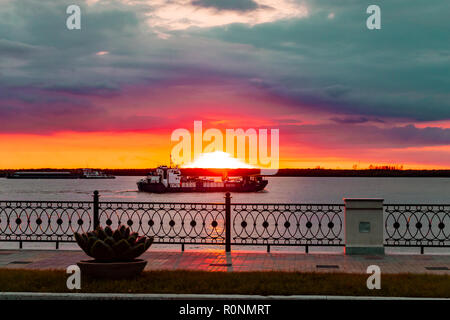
(364, 226)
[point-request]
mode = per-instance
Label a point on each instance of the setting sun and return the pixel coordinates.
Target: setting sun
(218, 160)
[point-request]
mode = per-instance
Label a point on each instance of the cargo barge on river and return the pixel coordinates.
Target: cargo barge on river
(164, 179)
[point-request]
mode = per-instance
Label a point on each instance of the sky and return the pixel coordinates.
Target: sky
(110, 95)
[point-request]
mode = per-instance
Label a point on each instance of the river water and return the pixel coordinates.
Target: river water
(279, 190)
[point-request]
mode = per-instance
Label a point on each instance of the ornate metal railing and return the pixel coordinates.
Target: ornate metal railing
(181, 223)
(219, 223)
(47, 221)
(287, 224)
(177, 223)
(417, 225)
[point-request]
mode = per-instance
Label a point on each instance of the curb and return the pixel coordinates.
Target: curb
(222, 297)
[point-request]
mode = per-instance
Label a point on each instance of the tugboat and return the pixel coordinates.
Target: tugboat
(164, 179)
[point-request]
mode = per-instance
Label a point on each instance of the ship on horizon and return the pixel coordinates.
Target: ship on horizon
(85, 174)
(164, 179)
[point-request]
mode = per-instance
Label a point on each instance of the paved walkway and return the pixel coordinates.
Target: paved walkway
(241, 261)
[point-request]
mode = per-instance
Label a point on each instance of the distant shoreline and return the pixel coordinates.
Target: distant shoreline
(281, 172)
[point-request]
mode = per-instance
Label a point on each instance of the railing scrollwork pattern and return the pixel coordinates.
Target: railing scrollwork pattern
(196, 223)
(417, 225)
(49, 221)
(288, 224)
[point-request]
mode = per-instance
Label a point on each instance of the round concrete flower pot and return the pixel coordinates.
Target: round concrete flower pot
(111, 270)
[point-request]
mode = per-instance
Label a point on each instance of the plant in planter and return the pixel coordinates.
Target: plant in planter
(114, 252)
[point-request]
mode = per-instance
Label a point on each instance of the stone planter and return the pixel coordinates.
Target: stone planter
(111, 270)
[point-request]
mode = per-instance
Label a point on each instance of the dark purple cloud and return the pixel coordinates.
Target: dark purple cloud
(15, 49)
(365, 136)
(233, 5)
(355, 120)
(81, 90)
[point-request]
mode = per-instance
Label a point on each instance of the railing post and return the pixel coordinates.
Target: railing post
(95, 210)
(364, 226)
(227, 222)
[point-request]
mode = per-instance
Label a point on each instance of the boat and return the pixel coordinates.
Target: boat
(94, 174)
(164, 179)
(85, 174)
(42, 175)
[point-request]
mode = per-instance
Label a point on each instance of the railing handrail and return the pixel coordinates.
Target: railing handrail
(178, 203)
(416, 204)
(216, 203)
(285, 204)
(43, 201)
(161, 202)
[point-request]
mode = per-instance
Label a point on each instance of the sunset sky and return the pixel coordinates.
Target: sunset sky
(110, 95)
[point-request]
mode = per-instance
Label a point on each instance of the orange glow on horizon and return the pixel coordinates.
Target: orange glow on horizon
(126, 150)
(80, 150)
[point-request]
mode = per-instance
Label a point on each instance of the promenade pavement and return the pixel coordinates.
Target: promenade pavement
(241, 261)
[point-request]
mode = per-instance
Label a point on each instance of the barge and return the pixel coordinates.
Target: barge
(85, 174)
(164, 179)
(42, 175)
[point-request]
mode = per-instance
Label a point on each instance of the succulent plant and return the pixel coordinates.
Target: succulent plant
(108, 245)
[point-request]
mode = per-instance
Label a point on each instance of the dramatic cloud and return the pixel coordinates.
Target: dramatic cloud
(234, 5)
(311, 67)
(184, 14)
(12, 49)
(352, 120)
(340, 136)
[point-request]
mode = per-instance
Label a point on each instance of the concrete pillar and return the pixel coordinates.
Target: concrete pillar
(364, 226)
